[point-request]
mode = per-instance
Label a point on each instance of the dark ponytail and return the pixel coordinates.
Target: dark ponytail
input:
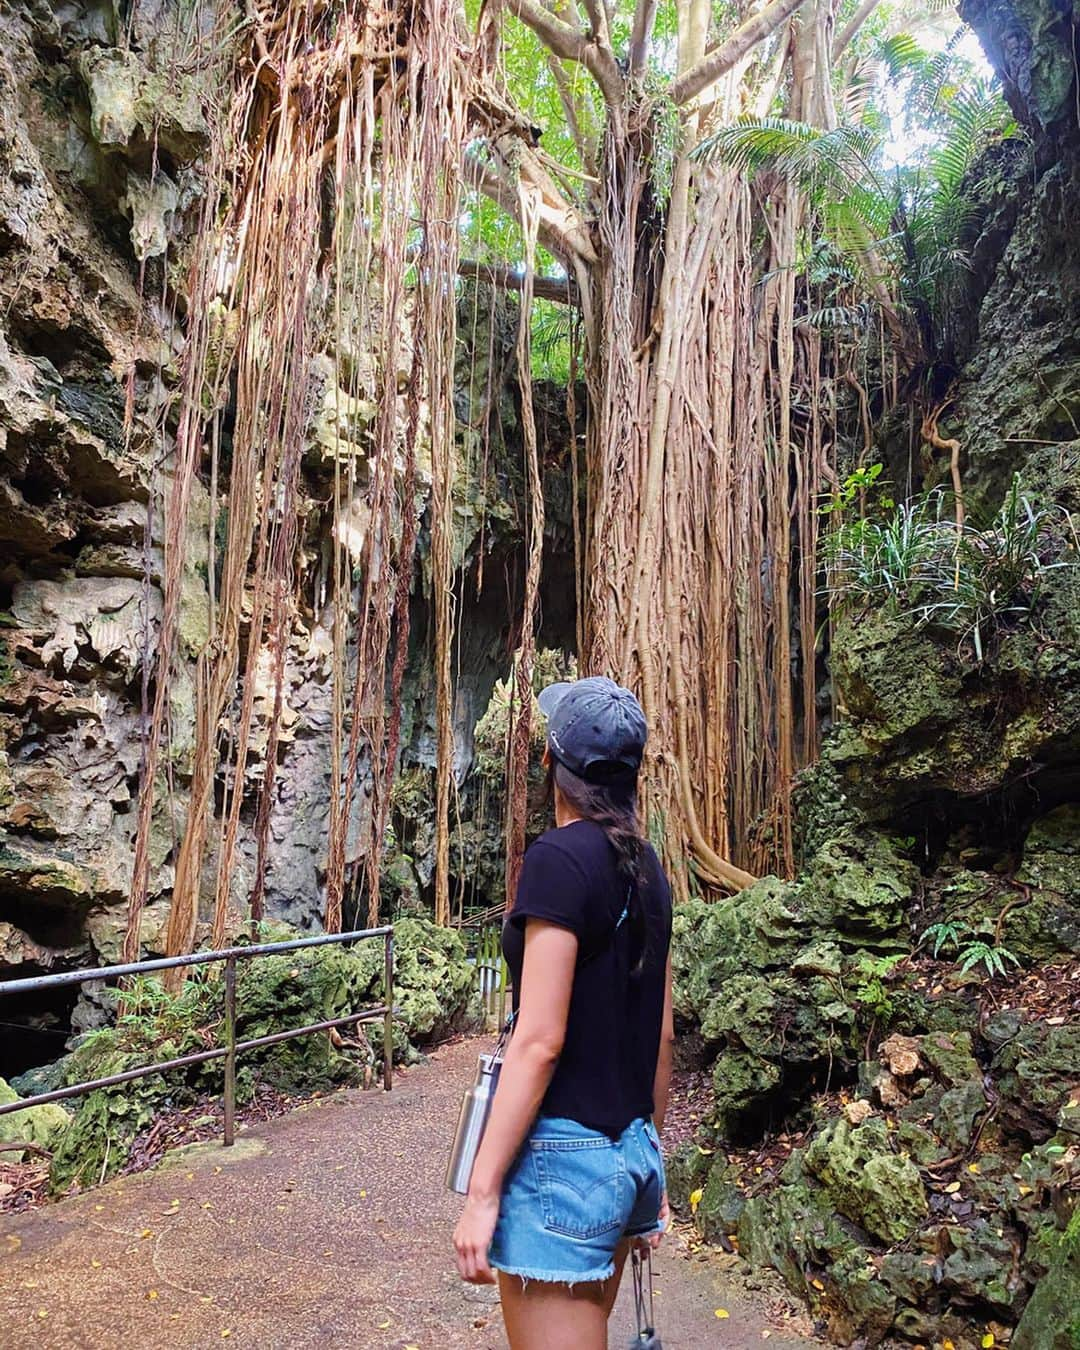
(614, 807)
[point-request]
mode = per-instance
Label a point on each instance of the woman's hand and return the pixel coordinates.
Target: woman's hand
(472, 1238)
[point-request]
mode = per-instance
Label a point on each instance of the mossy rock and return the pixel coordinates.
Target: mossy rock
(722, 1202)
(795, 1230)
(866, 1181)
(956, 1114)
(979, 1266)
(1036, 1075)
(858, 887)
(1049, 922)
(893, 676)
(43, 1125)
(686, 1170)
(433, 995)
(433, 981)
(106, 1122)
(1051, 1319)
(756, 929)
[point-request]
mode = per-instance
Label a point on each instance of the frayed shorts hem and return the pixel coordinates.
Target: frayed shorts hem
(570, 1277)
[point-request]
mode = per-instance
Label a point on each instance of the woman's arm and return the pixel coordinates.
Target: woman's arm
(662, 1081)
(547, 979)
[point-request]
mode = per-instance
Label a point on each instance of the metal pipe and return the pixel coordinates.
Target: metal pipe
(34, 982)
(77, 1089)
(368, 1015)
(232, 1047)
(388, 1020)
(230, 1050)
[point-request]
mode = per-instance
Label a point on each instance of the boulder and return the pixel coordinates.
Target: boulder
(796, 1230)
(857, 887)
(866, 1181)
(1036, 1071)
(42, 1125)
(1048, 920)
(1051, 1320)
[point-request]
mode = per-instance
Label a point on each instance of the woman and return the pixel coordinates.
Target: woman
(569, 1171)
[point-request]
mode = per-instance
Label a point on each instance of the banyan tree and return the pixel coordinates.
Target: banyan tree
(354, 148)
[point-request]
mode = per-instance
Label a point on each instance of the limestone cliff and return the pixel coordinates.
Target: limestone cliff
(103, 136)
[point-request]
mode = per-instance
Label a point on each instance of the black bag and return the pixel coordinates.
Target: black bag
(645, 1338)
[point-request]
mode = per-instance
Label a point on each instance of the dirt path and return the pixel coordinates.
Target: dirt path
(326, 1227)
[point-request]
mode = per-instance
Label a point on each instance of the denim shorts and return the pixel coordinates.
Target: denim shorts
(571, 1195)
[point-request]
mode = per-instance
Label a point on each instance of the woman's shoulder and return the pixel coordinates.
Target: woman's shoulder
(578, 838)
(565, 847)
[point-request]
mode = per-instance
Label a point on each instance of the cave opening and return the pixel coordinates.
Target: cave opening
(35, 1025)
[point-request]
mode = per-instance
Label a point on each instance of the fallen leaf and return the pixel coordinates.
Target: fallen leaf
(952, 1188)
(147, 1233)
(226, 1332)
(817, 1284)
(152, 1295)
(723, 1314)
(381, 1326)
(43, 1312)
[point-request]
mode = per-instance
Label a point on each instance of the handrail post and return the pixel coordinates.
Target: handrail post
(388, 1019)
(230, 1051)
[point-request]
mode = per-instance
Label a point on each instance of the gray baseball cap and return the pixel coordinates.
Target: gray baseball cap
(595, 728)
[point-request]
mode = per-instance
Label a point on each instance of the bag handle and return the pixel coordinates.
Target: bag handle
(641, 1266)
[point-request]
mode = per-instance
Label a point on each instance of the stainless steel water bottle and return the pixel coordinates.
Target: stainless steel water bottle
(475, 1108)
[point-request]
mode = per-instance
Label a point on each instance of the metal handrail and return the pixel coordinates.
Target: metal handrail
(232, 1047)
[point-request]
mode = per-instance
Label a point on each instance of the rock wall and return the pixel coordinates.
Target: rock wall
(103, 126)
(893, 1126)
(85, 353)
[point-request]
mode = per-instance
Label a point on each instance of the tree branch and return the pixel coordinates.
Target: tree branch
(562, 231)
(566, 97)
(562, 38)
(508, 279)
(721, 59)
(844, 37)
(573, 45)
(641, 36)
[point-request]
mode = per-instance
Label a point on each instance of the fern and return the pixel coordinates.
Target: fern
(947, 934)
(993, 959)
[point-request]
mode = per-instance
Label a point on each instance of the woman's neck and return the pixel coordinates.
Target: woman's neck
(564, 813)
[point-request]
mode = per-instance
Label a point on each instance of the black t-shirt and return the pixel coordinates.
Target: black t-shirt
(604, 1077)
